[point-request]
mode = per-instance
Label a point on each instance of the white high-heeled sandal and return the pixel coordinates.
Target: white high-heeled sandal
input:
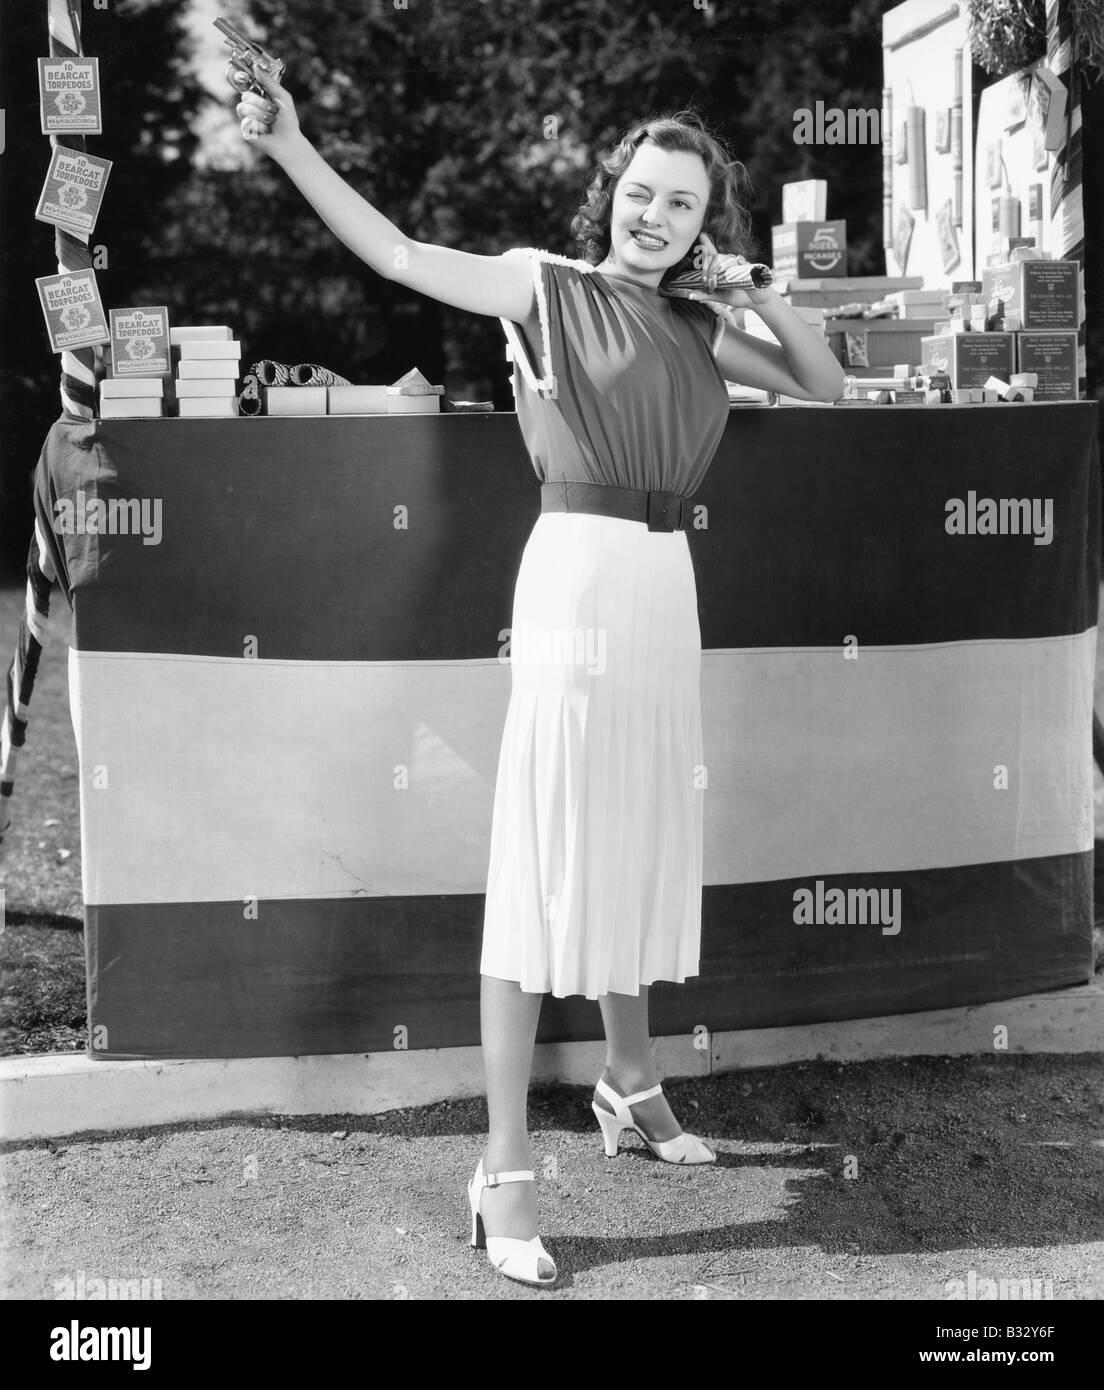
(683, 1148)
(517, 1259)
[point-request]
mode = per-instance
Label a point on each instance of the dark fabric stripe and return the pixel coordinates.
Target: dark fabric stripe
(820, 524)
(323, 976)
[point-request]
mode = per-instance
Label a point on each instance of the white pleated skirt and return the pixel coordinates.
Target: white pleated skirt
(595, 877)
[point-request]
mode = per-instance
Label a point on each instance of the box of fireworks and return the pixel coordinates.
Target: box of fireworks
(203, 349)
(199, 333)
(852, 289)
(295, 400)
(969, 359)
(358, 400)
(873, 345)
(413, 405)
(1052, 357)
(132, 388)
(188, 387)
(805, 201)
(1041, 294)
(809, 250)
(212, 367)
(130, 408)
(208, 407)
(139, 342)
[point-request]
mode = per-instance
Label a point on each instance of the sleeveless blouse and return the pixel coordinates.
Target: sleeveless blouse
(618, 384)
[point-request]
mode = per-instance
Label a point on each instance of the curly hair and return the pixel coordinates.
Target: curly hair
(727, 217)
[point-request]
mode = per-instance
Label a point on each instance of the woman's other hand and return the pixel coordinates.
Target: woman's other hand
(721, 299)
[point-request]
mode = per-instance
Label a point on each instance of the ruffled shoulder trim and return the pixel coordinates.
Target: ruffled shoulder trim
(546, 384)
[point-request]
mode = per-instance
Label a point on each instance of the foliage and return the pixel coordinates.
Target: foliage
(1006, 35)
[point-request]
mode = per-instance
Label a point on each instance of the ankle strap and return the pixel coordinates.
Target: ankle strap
(517, 1175)
(611, 1095)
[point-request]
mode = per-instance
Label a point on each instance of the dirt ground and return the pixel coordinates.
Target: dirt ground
(993, 1165)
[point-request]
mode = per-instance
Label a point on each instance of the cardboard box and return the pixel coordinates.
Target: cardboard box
(295, 400)
(413, 405)
(208, 407)
(1053, 357)
(358, 400)
(203, 350)
(130, 408)
(132, 388)
(852, 289)
(206, 387)
(872, 345)
(200, 333)
(969, 359)
(809, 250)
(805, 201)
(1041, 294)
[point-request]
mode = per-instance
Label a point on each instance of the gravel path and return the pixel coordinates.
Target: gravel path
(985, 1164)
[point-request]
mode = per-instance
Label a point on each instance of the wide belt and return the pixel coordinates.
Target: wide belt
(659, 511)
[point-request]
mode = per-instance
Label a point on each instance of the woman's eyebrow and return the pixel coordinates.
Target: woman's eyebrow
(686, 192)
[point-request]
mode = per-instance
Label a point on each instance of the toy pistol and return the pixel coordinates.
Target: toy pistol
(245, 55)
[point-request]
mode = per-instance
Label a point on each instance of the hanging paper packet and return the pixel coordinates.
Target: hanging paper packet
(69, 96)
(73, 310)
(73, 191)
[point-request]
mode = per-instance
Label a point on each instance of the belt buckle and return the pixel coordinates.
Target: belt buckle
(664, 512)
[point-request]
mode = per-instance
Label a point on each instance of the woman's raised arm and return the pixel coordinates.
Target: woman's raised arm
(500, 286)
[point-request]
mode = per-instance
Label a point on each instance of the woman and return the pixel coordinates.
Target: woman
(594, 885)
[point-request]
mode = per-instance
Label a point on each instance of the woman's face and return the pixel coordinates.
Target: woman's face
(658, 209)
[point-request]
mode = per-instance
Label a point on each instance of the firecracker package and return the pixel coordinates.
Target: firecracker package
(140, 341)
(1041, 294)
(73, 191)
(1052, 357)
(69, 96)
(809, 250)
(968, 359)
(73, 310)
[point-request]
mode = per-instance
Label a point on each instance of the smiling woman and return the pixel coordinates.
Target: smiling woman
(594, 880)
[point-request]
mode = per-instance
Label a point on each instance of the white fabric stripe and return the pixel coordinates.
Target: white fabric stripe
(816, 765)
(513, 337)
(39, 626)
(7, 749)
(45, 559)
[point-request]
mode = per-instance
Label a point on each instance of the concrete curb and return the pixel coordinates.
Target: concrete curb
(66, 1094)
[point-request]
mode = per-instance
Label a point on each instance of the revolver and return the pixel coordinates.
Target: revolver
(245, 55)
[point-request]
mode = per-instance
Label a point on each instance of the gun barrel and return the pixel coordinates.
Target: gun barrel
(235, 36)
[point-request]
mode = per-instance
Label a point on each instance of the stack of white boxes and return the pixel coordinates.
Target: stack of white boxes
(132, 397)
(207, 370)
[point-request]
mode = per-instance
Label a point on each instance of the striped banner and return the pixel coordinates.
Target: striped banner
(288, 693)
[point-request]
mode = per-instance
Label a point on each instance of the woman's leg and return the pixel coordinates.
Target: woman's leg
(508, 1021)
(630, 1066)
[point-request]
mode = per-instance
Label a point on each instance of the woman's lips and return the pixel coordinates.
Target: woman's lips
(657, 243)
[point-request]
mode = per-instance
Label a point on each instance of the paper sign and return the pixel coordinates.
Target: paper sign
(140, 342)
(73, 191)
(69, 96)
(73, 309)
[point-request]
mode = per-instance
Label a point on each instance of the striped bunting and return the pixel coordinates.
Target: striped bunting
(288, 697)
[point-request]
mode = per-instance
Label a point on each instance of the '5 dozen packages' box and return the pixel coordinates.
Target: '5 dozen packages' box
(809, 250)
